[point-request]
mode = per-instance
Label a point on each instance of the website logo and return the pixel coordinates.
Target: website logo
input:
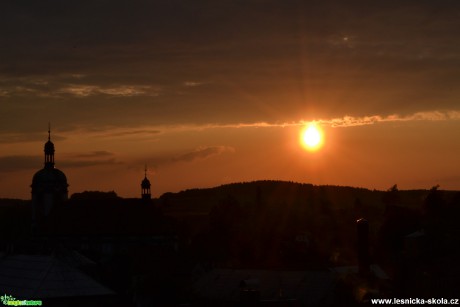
(9, 300)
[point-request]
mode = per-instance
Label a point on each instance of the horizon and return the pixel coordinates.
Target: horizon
(255, 182)
(208, 94)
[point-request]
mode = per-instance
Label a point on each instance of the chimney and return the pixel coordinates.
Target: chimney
(362, 227)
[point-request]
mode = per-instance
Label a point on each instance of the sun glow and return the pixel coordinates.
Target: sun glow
(312, 137)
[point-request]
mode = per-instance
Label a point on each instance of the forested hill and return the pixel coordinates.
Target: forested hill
(271, 211)
(270, 193)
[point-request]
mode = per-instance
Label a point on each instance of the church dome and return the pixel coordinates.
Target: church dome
(49, 180)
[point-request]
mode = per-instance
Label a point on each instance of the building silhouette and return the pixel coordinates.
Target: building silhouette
(145, 187)
(49, 186)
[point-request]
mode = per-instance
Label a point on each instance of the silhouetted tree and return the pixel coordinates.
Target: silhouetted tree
(434, 209)
(434, 203)
(392, 196)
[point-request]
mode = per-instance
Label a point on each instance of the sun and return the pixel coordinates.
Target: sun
(312, 137)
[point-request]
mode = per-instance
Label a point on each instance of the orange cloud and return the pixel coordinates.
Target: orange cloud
(339, 122)
(121, 90)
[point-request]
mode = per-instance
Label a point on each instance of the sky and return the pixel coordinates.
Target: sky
(212, 92)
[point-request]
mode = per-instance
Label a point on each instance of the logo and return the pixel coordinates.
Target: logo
(9, 300)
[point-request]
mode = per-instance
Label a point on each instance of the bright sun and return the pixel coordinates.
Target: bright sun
(312, 137)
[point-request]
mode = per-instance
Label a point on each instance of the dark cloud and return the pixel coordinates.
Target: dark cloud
(95, 154)
(202, 153)
(87, 163)
(197, 154)
(133, 132)
(254, 60)
(94, 158)
(114, 35)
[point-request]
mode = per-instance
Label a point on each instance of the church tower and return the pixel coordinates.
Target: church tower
(49, 151)
(49, 185)
(145, 187)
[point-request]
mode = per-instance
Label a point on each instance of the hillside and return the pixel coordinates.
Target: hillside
(302, 196)
(256, 215)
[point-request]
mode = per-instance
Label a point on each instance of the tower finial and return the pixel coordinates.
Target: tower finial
(49, 131)
(145, 171)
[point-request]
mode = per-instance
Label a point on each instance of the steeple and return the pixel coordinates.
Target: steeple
(49, 186)
(49, 150)
(145, 186)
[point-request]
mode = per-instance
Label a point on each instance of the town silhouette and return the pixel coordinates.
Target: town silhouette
(263, 243)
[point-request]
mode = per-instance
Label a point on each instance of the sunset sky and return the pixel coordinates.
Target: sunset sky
(211, 92)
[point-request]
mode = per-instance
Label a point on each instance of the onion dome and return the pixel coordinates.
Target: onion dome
(49, 180)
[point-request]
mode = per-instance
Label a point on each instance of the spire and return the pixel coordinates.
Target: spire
(145, 171)
(49, 150)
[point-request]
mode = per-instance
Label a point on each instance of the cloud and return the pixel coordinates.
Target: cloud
(94, 158)
(79, 90)
(140, 133)
(192, 83)
(150, 132)
(57, 86)
(121, 90)
(203, 153)
(339, 122)
(94, 154)
(132, 132)
(87, 163)
(199, 153)
(350, 121)
(265, 65)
